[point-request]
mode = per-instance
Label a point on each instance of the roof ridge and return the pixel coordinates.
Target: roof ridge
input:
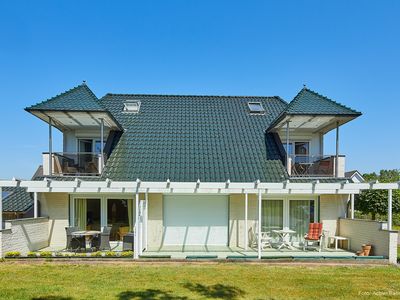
(199, 96)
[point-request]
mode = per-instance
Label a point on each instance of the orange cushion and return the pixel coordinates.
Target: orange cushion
(314, 231)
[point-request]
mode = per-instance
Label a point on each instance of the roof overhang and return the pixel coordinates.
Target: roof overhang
(310, 123)
(133, 187)
(71, 120)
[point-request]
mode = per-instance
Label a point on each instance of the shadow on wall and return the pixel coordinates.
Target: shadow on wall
(216, 291)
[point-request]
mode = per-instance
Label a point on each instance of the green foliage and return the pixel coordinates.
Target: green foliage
(31, 254)
(13, 254)
(46, 254)
(375, 201)
(127, 254)
(97, 254)
(111, 254)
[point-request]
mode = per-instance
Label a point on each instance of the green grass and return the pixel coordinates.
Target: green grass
(171, 281)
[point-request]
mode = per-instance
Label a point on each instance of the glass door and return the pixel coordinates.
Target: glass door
(272, 215)
(87, 214)
(301, 213)
(119, 217)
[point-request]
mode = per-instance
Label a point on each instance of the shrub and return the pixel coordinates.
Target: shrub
(46, 254)
(31, 254)
(110, 254)
(127, 254)
(13, 254)
(97, 254)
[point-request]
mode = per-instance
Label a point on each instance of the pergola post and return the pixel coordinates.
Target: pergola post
(390, 194)
(337, 150)
(246, 233)
(102, 143)
(287, 147)
(50, 147)
(1, 209)
(136, 235)
(352, 206)
(259, 225)
(35, 205)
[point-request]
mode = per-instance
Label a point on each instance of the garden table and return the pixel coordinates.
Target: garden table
(88, 234)
(284, 236)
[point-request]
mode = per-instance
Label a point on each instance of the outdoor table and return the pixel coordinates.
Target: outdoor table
(284, 235)
(88, 234)
(336, 239)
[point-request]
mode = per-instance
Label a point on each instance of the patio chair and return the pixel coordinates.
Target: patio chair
(74, 242)
(314, 236)
(266, 239)
(102, 242)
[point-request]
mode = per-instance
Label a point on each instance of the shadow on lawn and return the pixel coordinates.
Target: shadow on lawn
(218, 291)
(51, 297)
(149, 294)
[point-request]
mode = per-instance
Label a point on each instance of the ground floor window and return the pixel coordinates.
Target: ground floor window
(272, 215)
(119, 217)
(301, 213)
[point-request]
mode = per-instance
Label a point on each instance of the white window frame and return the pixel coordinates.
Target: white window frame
(131, 106)
(293, 143)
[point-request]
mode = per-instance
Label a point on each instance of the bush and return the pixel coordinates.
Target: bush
(127, 254)
(31, 254)
(13, 254)
(46, 254)
(110, 254)
(97, 254)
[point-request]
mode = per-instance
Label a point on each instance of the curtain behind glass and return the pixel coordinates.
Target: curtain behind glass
(272, 215)
(301, 213)
(80, 213)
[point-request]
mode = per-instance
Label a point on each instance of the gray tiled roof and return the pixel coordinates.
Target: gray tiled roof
(79, 98)
(310, 102)
(17, 199)
(186, 138)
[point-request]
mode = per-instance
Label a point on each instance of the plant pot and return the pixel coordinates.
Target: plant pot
(366, 249)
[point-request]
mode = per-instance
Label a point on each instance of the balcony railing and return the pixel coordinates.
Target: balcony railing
(72, 164)
(315, 166)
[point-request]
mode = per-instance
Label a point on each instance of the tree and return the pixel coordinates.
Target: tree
(376, 201)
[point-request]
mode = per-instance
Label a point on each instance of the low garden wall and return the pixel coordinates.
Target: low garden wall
(24, 235)
(383, 241)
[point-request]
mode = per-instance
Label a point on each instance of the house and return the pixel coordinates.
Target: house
(355, 176)
(194, 173)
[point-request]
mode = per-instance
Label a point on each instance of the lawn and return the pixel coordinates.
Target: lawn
(170, 281)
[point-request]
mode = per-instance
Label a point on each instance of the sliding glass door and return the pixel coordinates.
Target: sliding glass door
(87, 214)
(272, 215)
(301, 213)
(119, 217)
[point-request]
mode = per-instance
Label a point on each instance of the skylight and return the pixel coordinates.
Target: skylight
(132, 106)
(256, 107)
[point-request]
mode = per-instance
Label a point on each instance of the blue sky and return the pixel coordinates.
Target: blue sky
(346, 50)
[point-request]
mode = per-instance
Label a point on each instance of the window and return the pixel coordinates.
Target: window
(87, 214)
(132, 106)
(256, 107)
(301, 213)
(119, 217)
(272, 215)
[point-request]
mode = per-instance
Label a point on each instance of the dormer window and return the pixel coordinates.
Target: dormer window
(256, 108)
(131, 106)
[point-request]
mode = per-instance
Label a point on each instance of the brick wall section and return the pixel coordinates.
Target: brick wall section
(25, 235)
(384, 242)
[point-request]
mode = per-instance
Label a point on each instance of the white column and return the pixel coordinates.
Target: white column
(146, 217)
(1, 209)
(352, 205)
(287, 147)
(101, 144)
(246, 233)
(337, 151)
(136, 236)
(389, 209)
(259, 224)
(50, 148)
(35, 205)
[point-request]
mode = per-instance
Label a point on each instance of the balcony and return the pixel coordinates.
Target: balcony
(72, 164)
(316, 166)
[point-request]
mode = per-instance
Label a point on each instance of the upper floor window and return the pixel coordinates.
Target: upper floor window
(131, 106)
(256, 107)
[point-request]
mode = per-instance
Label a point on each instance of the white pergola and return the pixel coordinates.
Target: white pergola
(259, 188)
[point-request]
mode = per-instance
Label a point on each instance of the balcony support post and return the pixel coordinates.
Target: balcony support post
(35, 205)
(337, 150)
(287, 147)
(50, 147)
(389, 209)
(136, 232)
(246, 234)
(102, 143)
(352, 205)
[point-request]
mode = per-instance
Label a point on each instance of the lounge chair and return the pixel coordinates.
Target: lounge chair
(102, 242)
(314, 236)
